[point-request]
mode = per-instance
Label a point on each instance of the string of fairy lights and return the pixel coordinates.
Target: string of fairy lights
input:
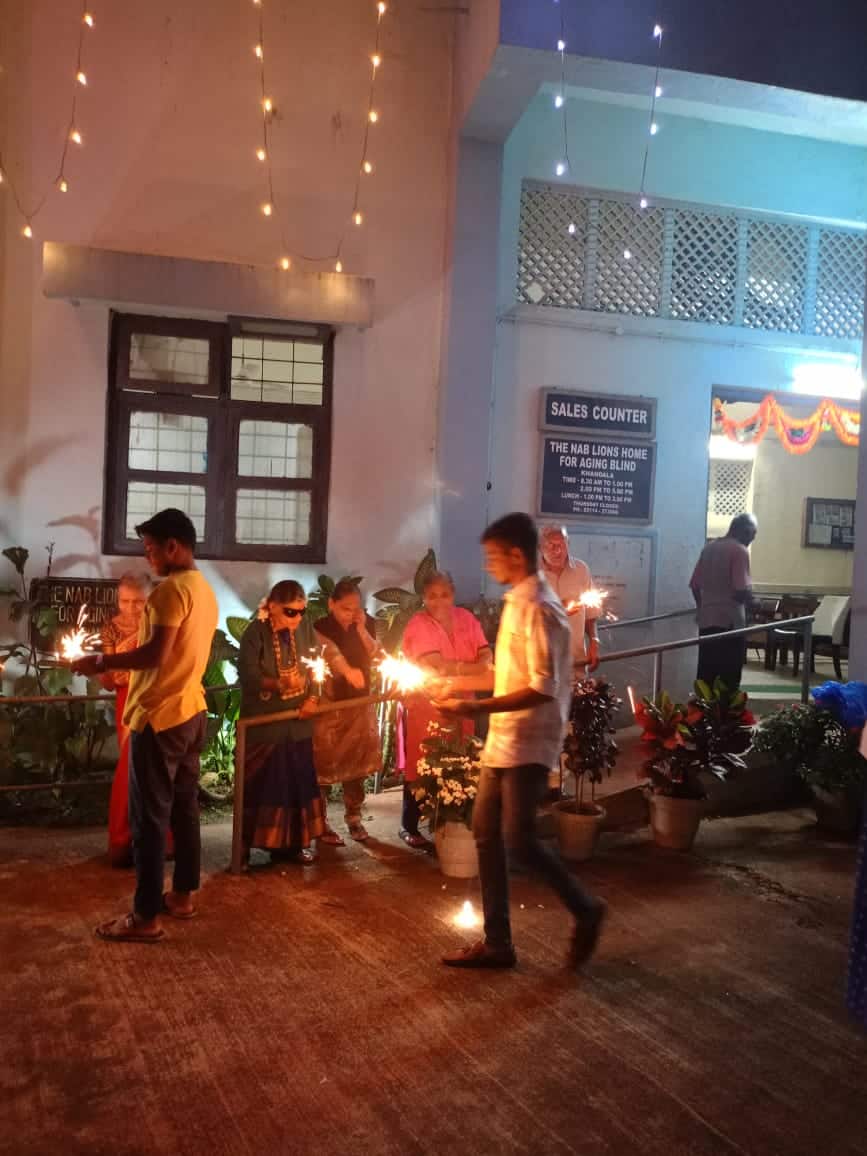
(264, 150)
(73, 136)
(563, 165)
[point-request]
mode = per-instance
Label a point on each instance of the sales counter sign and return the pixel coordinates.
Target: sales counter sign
(597, 479)
(598, 413)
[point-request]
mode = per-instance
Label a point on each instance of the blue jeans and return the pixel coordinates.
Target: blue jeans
(504, 820)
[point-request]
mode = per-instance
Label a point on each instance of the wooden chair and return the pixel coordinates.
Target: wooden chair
(762, 612)
(780, 639)
(830, 633)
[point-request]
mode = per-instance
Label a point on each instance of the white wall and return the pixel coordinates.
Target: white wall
(782, 481)
(171, 119)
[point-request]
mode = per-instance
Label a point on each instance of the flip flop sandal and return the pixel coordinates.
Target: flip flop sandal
(125, 930)
(332, 839)
(359, 832)
(174, 913)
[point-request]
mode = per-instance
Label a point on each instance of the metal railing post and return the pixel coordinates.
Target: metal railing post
(807, 667)
(656, 681)
(238, 805)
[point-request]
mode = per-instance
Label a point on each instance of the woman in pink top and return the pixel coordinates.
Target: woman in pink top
(450, 641)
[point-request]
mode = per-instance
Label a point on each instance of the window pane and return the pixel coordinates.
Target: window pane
(168, 441)
(165, 357)
(275, 449)
(272, 518)
(277, 370)
(143, 499)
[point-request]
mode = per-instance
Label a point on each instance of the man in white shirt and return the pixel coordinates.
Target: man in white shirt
(570, 578)
(529, 712)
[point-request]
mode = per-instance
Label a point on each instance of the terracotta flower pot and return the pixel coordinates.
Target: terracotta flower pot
(577, 831)
(456, 851)
(675, 822)
(837, 812)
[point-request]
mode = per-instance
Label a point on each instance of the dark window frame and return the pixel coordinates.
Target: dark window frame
(221, 480)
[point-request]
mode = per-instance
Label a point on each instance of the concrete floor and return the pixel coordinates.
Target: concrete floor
(305, 1010)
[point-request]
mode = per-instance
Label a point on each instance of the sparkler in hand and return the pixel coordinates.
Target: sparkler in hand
(591, 599)
(319, 669)
(401, 675)
(78, 642)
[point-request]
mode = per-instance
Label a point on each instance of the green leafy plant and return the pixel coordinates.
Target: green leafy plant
(400, 604)
(37, 619)
(590, 751)
(448, 775)
(712, 732)
(224, 707)
(819, 748)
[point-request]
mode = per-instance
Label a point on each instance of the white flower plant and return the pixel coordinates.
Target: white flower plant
(448, 775)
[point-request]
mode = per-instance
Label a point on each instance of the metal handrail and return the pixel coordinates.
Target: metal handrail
(619, 623)
(657, 649)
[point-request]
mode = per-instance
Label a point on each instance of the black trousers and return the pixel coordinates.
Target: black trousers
(411, 811)
(163, 793)
(504, 820)
(723, 659)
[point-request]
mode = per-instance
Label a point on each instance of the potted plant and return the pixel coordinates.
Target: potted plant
(589, 752)
(819, 741)
(446, 788)
(710, 734)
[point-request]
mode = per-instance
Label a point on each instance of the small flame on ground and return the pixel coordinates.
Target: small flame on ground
(400, 674)
(77, 642)
(467, 916)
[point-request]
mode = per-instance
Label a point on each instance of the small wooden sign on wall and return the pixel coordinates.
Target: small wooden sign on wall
(66, 596)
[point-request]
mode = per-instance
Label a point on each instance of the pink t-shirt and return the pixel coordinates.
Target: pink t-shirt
(424, 635)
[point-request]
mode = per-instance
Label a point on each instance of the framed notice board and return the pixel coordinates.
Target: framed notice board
(66, 596)
(599, 479)
(829, 523)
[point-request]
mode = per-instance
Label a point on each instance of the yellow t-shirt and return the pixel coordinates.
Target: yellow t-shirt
(172, 694)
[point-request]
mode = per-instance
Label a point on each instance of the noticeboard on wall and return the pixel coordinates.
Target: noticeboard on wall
(829, 523)
(597, 479)
(66, 596)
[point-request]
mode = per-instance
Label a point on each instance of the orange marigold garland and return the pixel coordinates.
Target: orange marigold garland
(798, 435)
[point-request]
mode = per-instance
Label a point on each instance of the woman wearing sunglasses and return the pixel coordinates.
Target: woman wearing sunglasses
(282, 807)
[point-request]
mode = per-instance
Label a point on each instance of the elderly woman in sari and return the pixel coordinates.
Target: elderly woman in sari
(346, 744)
(282, 808)
(449, 642)
(119, 635)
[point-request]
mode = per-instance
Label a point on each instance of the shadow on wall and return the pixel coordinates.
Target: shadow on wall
(91, 525)
(30, 459)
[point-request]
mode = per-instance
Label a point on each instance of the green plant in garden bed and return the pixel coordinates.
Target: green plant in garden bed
(817, 746)
(711, 732)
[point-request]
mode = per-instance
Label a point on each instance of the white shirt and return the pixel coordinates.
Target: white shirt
(533, 650)
(573, 581)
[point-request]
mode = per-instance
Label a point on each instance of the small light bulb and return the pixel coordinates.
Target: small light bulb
(358, 218)
(558, 100)
(258, 51)
(285, 263)
(88, 19)
(81, 78)
(561, 45)
(368, 167)
(261, 155)
(75, 136)
(654, 129)
(338, 267)
(627, 254)
(267, 208)
(373, 116)
(376, 60)
(380, 8)
(657, 92)
(62, 185)
(27, 231)
(642, 204)
(657, 32)
(560, 168)
(268, 104)
(573, 229)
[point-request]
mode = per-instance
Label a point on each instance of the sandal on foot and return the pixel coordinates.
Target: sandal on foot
(127, 930)
(332, 839)
(358, 832)
(177, 912)
(414, 839)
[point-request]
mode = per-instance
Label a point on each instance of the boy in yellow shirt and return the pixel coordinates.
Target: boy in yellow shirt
(165, 712)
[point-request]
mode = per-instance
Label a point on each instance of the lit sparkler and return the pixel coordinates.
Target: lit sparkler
(401, 675)
(592, 599)
(77, 642)
(319, 669)
(467, 916)
(630, 694)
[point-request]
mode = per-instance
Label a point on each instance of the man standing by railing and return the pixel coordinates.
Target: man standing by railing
(722, 589)
(165, 712)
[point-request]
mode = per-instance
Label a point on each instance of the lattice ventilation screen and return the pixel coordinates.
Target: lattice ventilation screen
(710, 266)
(730, 488)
